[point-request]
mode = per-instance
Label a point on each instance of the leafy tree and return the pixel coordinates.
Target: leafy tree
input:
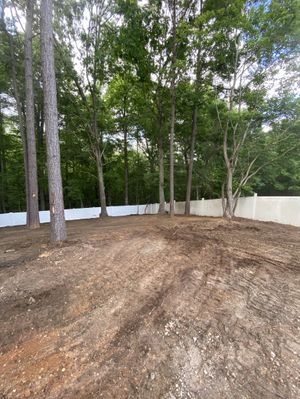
(128, 74)
(247, 45)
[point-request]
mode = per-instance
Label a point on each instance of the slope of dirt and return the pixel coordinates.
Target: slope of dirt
(149, 307)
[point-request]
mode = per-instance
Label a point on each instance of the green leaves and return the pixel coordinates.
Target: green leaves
(114, 62)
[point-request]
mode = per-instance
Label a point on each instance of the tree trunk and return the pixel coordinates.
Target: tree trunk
(161, 182)
(173, 108)
(17, 97)
(103, 212)
(33, 220)
(194, 133)
(2, 166)
(97, 145)
(235, 202)
(21, 122)
(125, 166)
(40, 125)
(161, 208)
(229, 196)
(224, 201)
(191, 162)
(137, 186)
(56, 201)
(172, 131)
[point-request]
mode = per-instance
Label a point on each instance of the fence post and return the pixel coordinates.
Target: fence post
(254, 205)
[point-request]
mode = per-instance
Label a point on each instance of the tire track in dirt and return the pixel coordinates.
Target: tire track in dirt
(185, 309)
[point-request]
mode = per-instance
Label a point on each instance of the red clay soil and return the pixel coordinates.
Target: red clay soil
(151, 307)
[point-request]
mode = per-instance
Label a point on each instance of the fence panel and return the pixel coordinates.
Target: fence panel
(277, 209)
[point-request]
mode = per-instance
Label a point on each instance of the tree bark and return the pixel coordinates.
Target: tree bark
(191, 161)
(125, 165)
(230, 160)
(194, 132)
(172, 131)
(229, 195)
(125, 133)
(103, 212)
(161, 208)
(16, 95)
(56, 201)
(33, 220)
(173, 108)
(137, 186)
(224, 201)
(2, 144)
(41, 172)
(96, 143)
(161, 182)
(2, 166)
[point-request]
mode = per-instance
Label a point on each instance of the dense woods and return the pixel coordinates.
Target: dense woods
(156, 100)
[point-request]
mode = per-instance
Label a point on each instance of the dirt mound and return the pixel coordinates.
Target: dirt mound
(149, 307)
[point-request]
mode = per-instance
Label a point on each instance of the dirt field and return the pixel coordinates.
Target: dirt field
(149, 307)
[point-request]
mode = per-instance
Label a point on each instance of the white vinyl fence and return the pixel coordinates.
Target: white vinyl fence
(284, 210)
(277, 209)
(19, 218)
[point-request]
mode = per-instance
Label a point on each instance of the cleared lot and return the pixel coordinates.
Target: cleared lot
(149, 307)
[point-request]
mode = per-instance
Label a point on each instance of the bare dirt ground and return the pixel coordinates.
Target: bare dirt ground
(149, 307)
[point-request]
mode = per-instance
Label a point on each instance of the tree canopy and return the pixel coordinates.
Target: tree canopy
(218, 78)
